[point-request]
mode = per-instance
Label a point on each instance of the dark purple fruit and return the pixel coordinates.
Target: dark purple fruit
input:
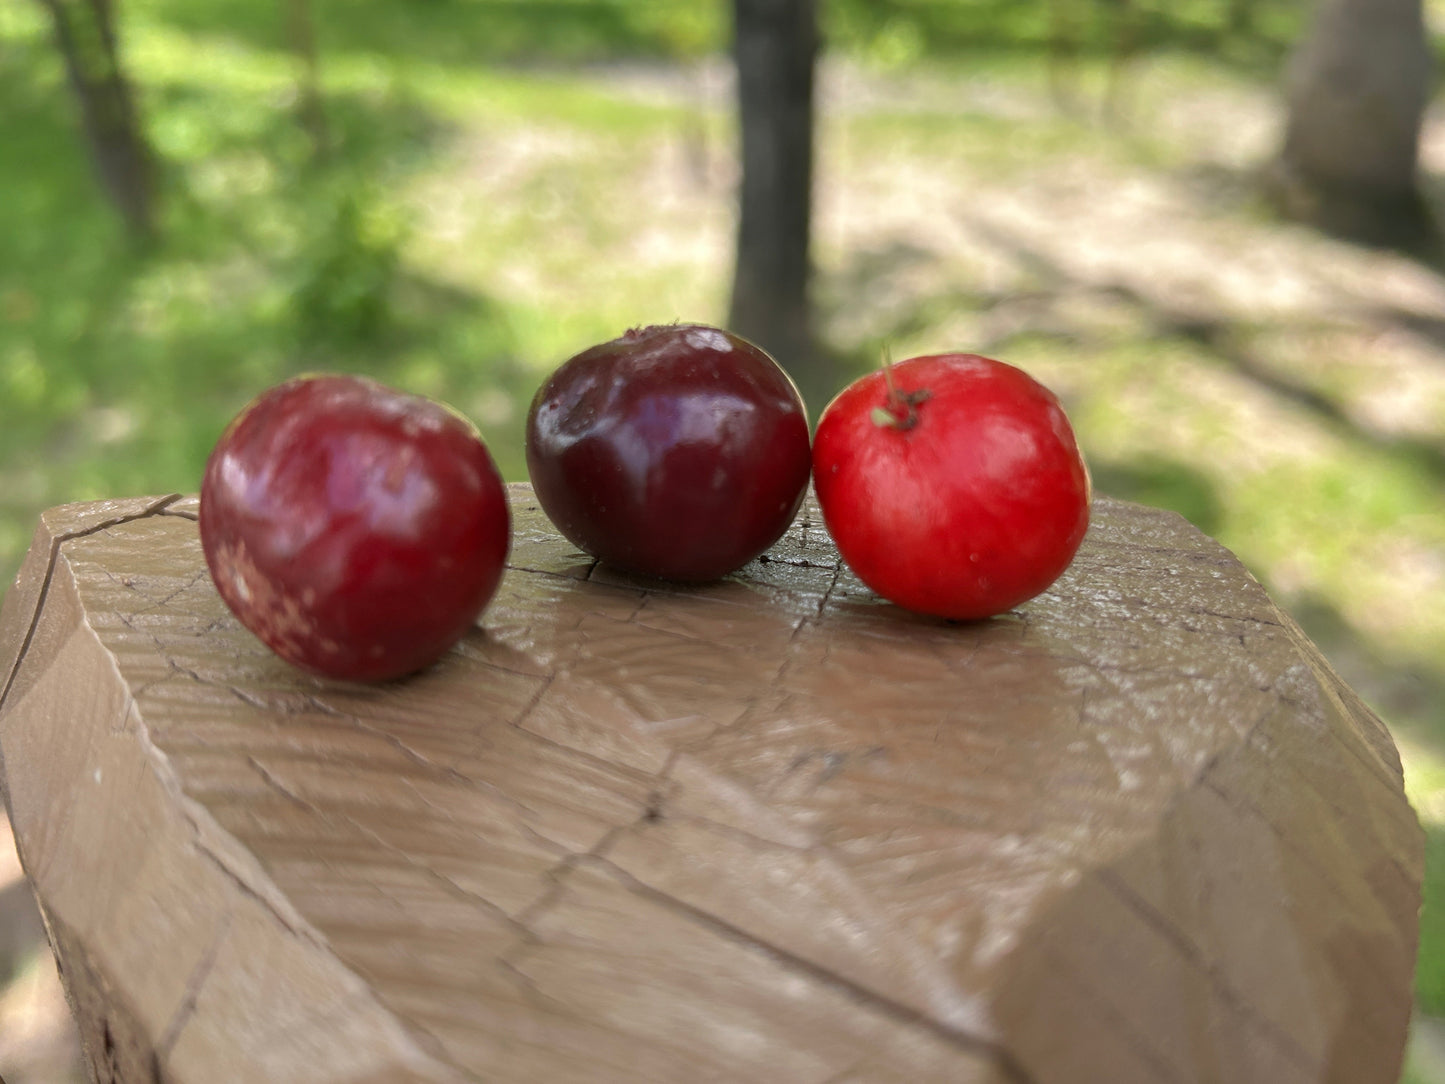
(679, 452)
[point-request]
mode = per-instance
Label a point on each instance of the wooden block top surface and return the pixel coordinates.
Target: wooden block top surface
(766, 829)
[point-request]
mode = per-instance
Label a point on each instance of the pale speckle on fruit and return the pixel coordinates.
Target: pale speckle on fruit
(396, 470)
(328, 507)
(703, 338)
(277, 617)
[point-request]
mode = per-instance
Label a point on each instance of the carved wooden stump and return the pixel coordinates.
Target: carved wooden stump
(770, 829)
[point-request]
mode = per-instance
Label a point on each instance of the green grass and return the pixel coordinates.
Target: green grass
(903, 31)
(118, 368)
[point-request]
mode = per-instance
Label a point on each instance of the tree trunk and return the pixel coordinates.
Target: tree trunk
(1357, 88)
(776, 46)
(1241, 18)
(1065, 32)
(122, 157)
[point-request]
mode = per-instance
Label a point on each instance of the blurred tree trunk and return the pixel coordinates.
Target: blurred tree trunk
(1241, 17)
(1357, 88)
(86, 37)
(776, 48)
(1126, 27)
(1064, 35)
(301, 32)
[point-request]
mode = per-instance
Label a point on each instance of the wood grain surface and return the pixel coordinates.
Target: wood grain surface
(769, 829)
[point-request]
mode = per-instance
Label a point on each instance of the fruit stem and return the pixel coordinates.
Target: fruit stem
(899, 409)
(888, 370)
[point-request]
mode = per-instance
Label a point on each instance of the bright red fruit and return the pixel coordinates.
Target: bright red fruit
(358, 531)
(679, 452)
(952, 484)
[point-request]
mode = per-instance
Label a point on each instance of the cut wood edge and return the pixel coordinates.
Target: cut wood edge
(1151, 902)
(236, 976)
(20, 612)
(1279, 1005)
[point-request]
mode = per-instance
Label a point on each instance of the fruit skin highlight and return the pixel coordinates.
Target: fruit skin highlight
(952, 484)
(678, 452)
(358, 531)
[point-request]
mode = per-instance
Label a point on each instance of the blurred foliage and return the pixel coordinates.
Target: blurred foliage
(1164, 483)
(347, 271)
(469, 32)
(888, 32)
(1430, 964)
(1253, 34)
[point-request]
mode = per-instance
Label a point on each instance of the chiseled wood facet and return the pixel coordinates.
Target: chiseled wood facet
(770, 829)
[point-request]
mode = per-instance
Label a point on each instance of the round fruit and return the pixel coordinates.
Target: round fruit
(679, 452)
(951, 484)
(358, 531)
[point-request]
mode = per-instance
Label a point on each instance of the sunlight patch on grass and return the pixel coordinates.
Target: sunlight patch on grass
(223, 65)
(541, 216)
(261, 79)
(22, 24)
(1424, 779)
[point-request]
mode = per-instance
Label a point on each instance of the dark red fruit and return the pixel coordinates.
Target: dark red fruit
(952, 484)
(679, 452)
(357, 530)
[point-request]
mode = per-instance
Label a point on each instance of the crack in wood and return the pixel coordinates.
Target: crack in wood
(657, 812)
(860, 994)
(1122, 1024)
(244, 886)
(548, 572)
(413, 861)
(557, 874)
(203, 574)
(531, 705)
(611, 767)
(186, 1009)
(176, 669)
(531, 990)
(414, 1030)
(1245, 805)
(526, 812)
(1251, 619)
(424, 1036)
(1191, 954)
(1342, 815)
(136, 692)
(1387, 776)
(155, 509)
(815, 848)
